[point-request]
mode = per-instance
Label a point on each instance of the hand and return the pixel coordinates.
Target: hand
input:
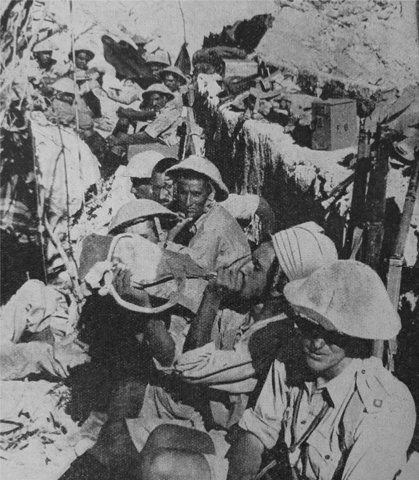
(178, 228)
(112, 141)
(123, 285)
(231, 279)
(122, 112)
(69, 356)
(98, 277)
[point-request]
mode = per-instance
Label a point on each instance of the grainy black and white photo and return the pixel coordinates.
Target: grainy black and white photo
(209, 239)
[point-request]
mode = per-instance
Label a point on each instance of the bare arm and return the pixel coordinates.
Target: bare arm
(160, 341)
(244, 456)
(201, 327)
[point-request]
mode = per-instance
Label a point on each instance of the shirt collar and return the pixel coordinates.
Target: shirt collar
(337, 388)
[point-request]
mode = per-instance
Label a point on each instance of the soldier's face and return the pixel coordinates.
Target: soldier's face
(256, 274)
(82, 59)
(163, 188)
(155, 69)
(171, 82)
(44, 58)
(141, 188)
(324, 350)
(193, 193)
(157, 101)
(144, 229)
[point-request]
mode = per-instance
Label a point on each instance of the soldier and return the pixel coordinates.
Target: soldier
(208, 233)
(345, 416)
(156, 62)
(338, 413)
(163, 129)
(173, 78)
(140, 169)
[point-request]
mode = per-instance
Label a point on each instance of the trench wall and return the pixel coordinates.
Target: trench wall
(258, 157)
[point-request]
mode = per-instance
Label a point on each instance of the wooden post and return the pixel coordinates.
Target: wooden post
(394, 275)
(374, 214)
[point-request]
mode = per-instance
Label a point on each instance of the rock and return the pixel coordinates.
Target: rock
(334, 14)
(385, 14)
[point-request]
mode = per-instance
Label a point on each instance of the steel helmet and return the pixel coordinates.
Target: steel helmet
(176, 71)
(65, 85)
(136, 210)
(204, 167)
(346, 296)
(302, 249)
(158, 57)
(142, 164)
(158, 88)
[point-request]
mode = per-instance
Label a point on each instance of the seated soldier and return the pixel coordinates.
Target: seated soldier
(163, 129)
(238, 348)
(256, 286)
(63, 107)
(63, 111)
(119, 359)
(207, 233)
(46, 70)
(175, 81)
(254, 215)
(88, 79)
(37, 334)
(156, 62)
(162, 184)
(336, 411)
(140, 170)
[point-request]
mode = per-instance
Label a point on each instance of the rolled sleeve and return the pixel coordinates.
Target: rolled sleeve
(167, 119)
(265, 419)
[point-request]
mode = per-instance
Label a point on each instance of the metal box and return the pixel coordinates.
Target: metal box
(240, 68)
(335, 124)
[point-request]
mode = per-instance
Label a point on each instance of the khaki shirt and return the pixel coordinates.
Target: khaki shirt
(165, 125)
(218, 240)
(364, 435)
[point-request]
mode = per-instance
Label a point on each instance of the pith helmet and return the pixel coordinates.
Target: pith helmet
(142, 164)
(175, 71)
(44, 46)
(158, 57)
(346, 296)
(158, 88)
(302, 249)
(82, 46)
(139, 40)
(136, 210)
(65, 85)
(204, 167)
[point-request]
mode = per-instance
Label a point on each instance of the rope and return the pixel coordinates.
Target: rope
(76, 100)
(184, 23)
(39, 203)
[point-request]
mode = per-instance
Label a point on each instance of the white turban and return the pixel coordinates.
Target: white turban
(303, 249)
